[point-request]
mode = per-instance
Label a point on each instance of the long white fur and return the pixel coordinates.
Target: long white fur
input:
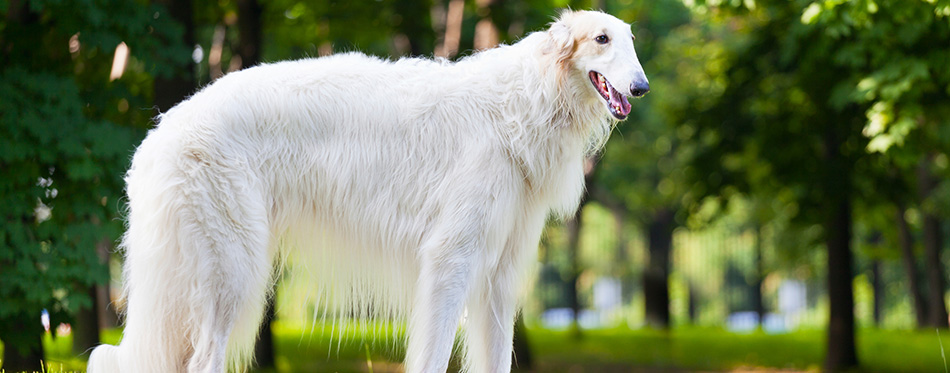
(414, 188)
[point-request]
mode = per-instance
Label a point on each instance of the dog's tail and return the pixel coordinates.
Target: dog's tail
(104, 359)
(160, 275)
(194, 298)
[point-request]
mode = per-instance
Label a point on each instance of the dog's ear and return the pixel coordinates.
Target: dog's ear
(560, 42)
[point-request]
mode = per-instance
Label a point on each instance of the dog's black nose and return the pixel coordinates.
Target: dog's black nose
(638, 89)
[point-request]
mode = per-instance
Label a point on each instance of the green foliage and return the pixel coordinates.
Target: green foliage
(51, 169)
(823, 103)
(297, 29)
(780, 77)
(898, 56)
(898, 52)
(755, 103)
(644, 163)
(66, 134)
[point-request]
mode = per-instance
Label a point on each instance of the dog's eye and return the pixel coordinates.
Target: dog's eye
(602, 39)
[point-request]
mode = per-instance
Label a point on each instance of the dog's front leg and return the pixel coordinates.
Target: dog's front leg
(442, 288)
(489, 326)
(493, 303)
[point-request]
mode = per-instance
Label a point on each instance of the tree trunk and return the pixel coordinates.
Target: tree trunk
(878, 287)
(89, 320)
(17, 358)
(757, 302)
(449, 46)
(415, 26)
(909, 260)
(621, 269)
(837, 186)
(522, 359)
(264, 349)
(573, 241)
(620, 251)
(215, 71)
(841, 354)
(108, 316)
(171, 90)
(933, 245)
(86, 327)
(937, 315)
(692, 308)
(249, 32)
(656, 288)
(486, 34)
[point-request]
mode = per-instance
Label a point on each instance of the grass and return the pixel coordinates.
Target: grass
(695, 349)
(610, 350)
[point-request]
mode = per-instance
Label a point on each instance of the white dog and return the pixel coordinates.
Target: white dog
(413, 188)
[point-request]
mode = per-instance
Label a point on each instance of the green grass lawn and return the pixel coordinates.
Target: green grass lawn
(612, 350)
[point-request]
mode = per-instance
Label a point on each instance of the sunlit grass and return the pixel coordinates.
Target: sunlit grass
(378, 348)
(943, 354)
(48, 368)
(713, 349)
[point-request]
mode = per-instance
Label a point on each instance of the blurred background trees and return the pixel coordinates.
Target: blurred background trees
(789, 169)
(68, 123)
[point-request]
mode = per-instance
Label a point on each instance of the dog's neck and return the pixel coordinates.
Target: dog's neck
(550, 119)
(575, 129)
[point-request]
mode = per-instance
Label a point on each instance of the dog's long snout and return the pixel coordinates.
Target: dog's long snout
(639, 88)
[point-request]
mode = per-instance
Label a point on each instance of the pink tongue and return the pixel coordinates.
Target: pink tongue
(616, 99)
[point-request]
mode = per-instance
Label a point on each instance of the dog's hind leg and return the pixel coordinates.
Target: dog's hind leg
(233, 314)
(235, 270)
(232, 317)
(197, 267)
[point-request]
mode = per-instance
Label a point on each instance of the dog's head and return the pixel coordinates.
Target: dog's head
(600, 47)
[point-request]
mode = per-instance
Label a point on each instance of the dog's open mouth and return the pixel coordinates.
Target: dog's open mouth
(616, 101)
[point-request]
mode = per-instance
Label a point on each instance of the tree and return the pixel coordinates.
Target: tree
(899, 78)
(814, 81)
(573, 227)
(250, 32)
(63, 154)
(909, 261)
(933, 245)
(180, 83)
(776, 95)
(643, 166)
(181, 80)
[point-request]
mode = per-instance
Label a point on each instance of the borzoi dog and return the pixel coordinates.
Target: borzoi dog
(411, 188)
